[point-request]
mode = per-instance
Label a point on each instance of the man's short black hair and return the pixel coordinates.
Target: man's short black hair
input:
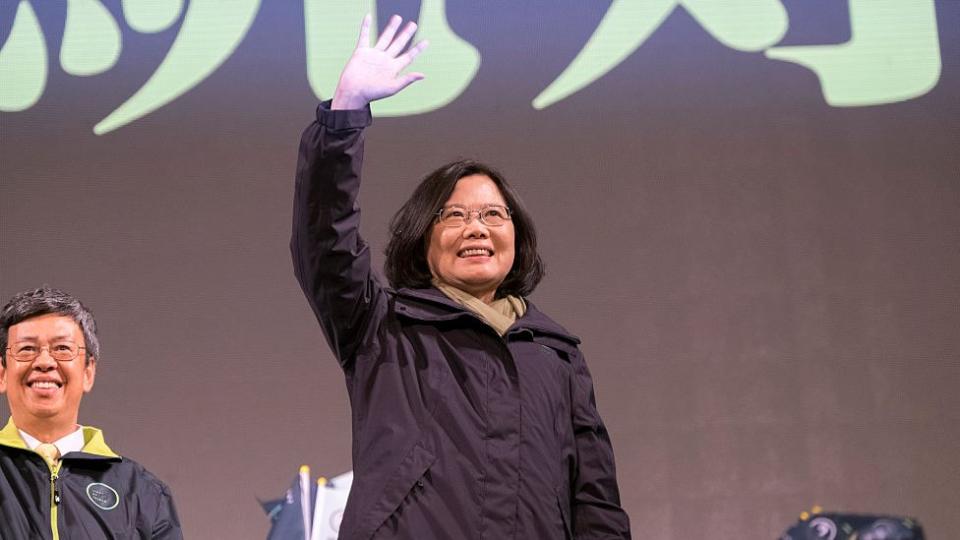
(43, 301)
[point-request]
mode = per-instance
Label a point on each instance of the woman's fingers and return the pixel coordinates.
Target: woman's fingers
(412, 53)
(402, 39)
(406, 80)
(386, 37)
(374, 72)
(364, 39)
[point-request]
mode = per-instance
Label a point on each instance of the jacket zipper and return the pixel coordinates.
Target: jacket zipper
(54, 500)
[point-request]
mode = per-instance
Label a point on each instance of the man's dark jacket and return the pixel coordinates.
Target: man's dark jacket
(97, 496)
(458, 433)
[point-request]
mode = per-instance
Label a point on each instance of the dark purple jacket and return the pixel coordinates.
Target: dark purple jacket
(458, 433)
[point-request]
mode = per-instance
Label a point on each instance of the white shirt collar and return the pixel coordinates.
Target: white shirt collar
(70, 443)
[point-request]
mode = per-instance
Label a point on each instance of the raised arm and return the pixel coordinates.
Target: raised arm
(331, 260)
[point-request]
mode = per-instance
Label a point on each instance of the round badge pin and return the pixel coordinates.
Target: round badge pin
(103, 496)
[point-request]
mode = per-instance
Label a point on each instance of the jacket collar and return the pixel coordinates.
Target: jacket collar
(93, 443)
(432, 305)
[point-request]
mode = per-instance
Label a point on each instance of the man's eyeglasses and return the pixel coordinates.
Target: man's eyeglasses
(63, 351)
(458, 216)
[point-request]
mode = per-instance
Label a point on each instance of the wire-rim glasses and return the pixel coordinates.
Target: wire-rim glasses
(491, 215)
(62, 351)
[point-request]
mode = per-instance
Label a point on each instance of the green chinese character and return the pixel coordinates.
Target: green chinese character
(150, 16)
(211, 31)
(745, 25)
(23, 62)
(893, 54)
(91, 39)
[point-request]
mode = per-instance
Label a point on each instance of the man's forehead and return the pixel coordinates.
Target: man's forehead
(49, 326)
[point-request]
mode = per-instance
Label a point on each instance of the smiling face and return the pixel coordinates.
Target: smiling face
(475, 257)
(44, 394)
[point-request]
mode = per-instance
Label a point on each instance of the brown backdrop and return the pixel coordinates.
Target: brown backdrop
(767, 287)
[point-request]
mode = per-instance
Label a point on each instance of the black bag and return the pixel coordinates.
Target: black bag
(830, 526)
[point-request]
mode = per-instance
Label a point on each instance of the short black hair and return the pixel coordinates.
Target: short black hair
(42, 301)
(406, 251)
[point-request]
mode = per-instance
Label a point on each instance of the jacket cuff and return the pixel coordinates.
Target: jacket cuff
(343, 119)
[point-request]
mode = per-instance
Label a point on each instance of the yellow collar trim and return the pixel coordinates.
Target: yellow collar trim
(93, 442)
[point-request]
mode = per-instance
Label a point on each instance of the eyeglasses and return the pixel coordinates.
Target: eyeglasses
(457, 216)
(63, 351)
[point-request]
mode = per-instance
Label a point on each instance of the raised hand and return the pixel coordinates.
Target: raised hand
(374, 72)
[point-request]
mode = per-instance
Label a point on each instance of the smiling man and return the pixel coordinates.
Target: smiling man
(59, 479)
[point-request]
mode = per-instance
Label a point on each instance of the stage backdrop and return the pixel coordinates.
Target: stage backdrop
(748, 211)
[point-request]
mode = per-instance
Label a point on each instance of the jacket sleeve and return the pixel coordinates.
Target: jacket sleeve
(597, 513)
(330, 259)
(166, 525)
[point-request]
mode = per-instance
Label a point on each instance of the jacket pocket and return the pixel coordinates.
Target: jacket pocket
(409, 475)
(565, 516)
